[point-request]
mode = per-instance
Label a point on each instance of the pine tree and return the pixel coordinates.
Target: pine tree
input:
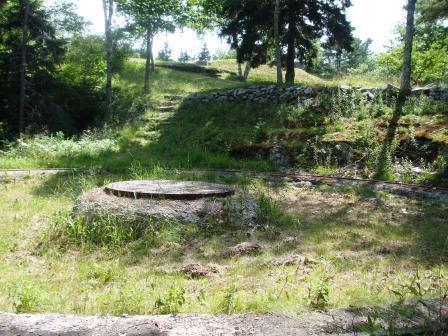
(432, 10)
(204, 56)
(184, 57)
(165, 53)
(249, 27)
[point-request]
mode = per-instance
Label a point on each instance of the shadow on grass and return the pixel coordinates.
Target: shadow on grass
(366, 226)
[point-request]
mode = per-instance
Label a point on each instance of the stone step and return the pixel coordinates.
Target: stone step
(156, 126)
(168, 108)
(145, 134)
(159, 118)
(174, 97)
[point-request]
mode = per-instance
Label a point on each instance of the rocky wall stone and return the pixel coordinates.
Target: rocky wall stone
(273, 94)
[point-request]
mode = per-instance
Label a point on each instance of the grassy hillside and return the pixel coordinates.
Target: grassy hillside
(323, 134)
(322, 246)
(267, 74)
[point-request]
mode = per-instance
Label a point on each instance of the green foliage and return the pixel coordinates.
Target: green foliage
(44, 52)
(184, 57)
(229, 302)
(429, 58)
(248, 26)
(125, 299)
(333, 60)
(399, 318)
(165, 53)
(271, 215)
(225, 55)
(204, 55)
(65, 19)
(319, 292)
(48, 148)
(85, 61)
(24, 297)
(171, 302)
(432, 10)
(158, 16)
(105, 230)
(65, 70)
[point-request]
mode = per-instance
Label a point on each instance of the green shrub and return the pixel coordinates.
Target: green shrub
(171, 302)
(229, 302)
(24, 297)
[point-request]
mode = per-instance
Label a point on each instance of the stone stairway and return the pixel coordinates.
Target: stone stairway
(164, 116)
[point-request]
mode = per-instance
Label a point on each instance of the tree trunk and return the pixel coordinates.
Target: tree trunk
(149, 64)
(246, 71)
(240, 70)
(405, 89)
(151, 53)
(409, 39)
(338, 60)
(278, 51)
(108, 7)
(23, 65)
(291, 53)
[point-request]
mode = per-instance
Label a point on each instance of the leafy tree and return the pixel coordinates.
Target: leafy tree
(149, 18)
(432, 10)
(66, 21)
(249, 27)
(429, 58)
(165, 53)
(184, 57)
(204, 55)
(334, 60)
(29, 53)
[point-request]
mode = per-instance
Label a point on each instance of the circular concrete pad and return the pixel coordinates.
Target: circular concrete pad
(166, 189)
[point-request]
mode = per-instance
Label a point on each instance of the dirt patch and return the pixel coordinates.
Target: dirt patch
(245, 248)
(293, 260)
(198, 270)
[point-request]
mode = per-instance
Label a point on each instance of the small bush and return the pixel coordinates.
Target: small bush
(229, 302)
(105, 231)
(171, 302)
(48, 147)
(319, 292)
(24, 297)
(270, 214)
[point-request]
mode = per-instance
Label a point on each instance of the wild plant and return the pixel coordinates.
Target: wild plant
(229, 301)
(171, 302)
(318, 292)
(410, 305)
(24, 297)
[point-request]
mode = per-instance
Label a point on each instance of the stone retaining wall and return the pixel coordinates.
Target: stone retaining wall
(291, 95)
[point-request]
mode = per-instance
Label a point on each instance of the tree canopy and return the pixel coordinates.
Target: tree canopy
(249, 27)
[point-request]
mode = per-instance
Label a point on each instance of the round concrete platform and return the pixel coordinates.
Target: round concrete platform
(167, 189)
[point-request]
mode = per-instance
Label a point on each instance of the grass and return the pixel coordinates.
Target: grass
(321, 135)
(363, 245)
(267, 74)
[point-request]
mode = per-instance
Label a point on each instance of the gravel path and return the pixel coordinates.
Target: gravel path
(337, 323)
